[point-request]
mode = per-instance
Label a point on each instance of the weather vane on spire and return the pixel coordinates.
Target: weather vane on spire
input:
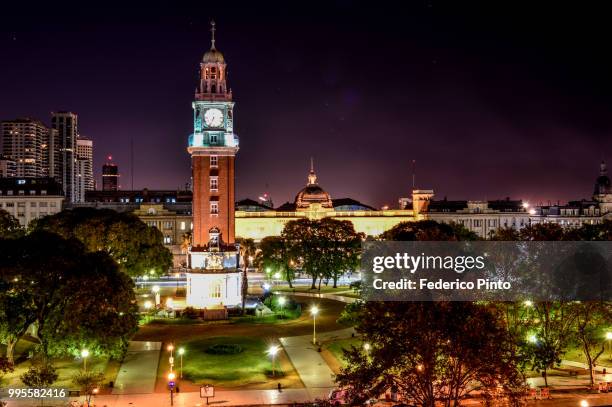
(212, 30)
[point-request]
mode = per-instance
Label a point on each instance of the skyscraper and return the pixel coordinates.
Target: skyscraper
(26, 141)
(66, 124)
(110, 176)
(85, 179)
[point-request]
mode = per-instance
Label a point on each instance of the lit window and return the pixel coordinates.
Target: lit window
(182, 225)
(214, 160)
(214, 183)
(214, 208)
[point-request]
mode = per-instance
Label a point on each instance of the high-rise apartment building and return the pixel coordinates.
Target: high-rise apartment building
(66, 169)
(85, 179)
(8, 167)
(26, 141)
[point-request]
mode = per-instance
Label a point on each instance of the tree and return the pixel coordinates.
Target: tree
(41, 374)
(136, 247)
(275, 255)
(75, 298)
(542, 232)
(553, 326)
(430, 352)
(88, 382)
(340, 246)
(428, 230)
(325, 248)
(9, 226)
(247, 251)
(592, 320)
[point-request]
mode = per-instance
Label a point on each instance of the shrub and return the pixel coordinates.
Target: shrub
(190, 313)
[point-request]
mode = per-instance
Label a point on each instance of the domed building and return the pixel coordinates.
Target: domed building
(256, 220)
(312, 197)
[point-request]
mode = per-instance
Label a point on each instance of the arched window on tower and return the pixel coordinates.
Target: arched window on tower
(213, 72)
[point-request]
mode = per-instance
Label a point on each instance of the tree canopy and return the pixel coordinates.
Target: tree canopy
(75, 299)
(136, 247)
(430, 352)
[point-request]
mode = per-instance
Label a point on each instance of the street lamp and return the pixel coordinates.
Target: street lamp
(609, 339)
(84, 355)
(272, 351)
(584, 403)
(367, 347)
(171, 383)
(281, 303)
(155, 290)
(314, 310)
(528, 303)
(181, 352)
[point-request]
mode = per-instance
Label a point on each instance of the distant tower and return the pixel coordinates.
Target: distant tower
(66, 172)
(84, 164)
(213, 256)
(110, 176)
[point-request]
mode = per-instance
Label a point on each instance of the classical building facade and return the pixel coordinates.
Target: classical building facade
(577, 213)
(257, 221)
(30, 198)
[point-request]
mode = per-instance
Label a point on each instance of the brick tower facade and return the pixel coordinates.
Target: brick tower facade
(213, 147)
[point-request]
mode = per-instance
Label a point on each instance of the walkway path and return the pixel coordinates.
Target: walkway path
(305, 357)
(139, 368)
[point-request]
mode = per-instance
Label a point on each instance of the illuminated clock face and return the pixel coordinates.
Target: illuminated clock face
(213, 118)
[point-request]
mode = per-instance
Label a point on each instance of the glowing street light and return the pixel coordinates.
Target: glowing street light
(532, 338)
(155, 290)
(181, 352)
(314, 310)
(272, 351)
(609, 339)
(148, 305)
(281, 303)
(528, 303)
(367, 347)
(584, 403)
(171, 384)
(266, 287)
(85, 355)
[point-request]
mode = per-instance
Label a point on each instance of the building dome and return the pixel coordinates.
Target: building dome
(603, 185)
(213, 56)
(312, 194)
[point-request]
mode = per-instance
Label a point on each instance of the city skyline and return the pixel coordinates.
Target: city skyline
(526, 125)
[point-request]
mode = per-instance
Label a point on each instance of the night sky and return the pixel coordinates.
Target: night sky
(491, 100)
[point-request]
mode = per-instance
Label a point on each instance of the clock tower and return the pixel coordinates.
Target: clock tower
(214, 279)
(213, 147)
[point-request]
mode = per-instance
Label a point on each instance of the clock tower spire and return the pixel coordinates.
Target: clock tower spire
(213, 146)
(214, 279)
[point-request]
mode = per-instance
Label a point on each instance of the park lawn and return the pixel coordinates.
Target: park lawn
(336, 348)
(251, 366)
(577, 355)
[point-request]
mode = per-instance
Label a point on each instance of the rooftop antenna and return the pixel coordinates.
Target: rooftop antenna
(212, 31)
(132, 161)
